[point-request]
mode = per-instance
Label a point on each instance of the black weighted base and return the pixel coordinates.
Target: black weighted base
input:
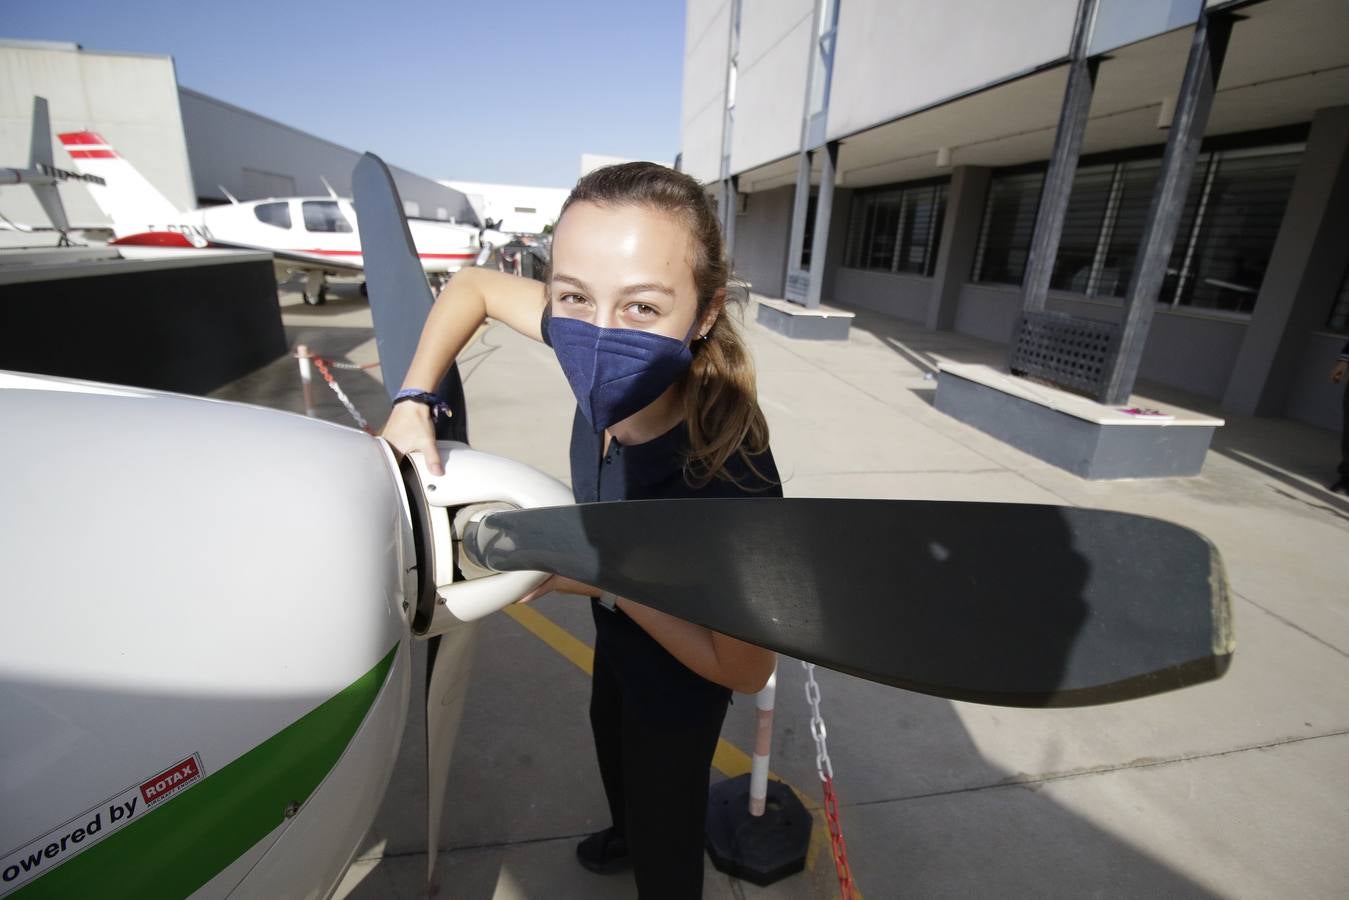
(758, 849)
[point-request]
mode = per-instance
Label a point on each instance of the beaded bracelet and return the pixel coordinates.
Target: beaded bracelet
(437, 406)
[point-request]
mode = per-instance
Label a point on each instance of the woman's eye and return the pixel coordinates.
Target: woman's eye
(571, 298)
(643, 310)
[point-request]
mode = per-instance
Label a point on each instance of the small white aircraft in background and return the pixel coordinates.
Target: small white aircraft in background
(43, 176)
(313, 235)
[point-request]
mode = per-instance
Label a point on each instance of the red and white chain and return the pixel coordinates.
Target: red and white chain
(825, 767)
(322, 365)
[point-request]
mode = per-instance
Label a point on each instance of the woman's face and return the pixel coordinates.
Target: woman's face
(624, 267)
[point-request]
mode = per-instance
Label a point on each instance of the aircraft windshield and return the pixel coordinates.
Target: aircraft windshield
(323, 215)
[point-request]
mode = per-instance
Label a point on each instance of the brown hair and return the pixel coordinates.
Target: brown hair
(721, 404)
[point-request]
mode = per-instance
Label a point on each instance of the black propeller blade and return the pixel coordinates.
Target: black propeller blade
(1007, 604)
(400, 297)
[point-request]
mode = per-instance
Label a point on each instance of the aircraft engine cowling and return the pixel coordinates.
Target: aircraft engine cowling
(203, 603)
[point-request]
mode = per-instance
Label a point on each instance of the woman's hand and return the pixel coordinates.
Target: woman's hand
(1337, 373)
(409, 428)
(556, 583)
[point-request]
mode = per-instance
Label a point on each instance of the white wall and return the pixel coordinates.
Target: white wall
(510, 204)
(131, 100)
(898, 56)
(707, 33)
(775, 45)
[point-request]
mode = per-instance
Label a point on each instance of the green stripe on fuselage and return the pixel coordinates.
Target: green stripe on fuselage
(175, 849)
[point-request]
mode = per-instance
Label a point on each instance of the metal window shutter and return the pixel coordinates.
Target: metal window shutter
(1083, 224)
(1009, 222)
(1241, 211)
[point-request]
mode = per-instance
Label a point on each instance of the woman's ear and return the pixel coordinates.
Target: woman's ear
(714, 309)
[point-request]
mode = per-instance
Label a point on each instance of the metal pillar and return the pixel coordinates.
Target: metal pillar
(824, 206)
(731, 198)
(1058, 187)
(797, 278)
(1207, 49)
(1062, 166)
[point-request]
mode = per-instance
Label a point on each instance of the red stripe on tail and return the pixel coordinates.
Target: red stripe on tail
(81, 137)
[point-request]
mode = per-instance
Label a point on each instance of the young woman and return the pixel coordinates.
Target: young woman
(666, 407)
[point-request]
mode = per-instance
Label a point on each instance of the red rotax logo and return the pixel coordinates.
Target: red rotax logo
(170, 780)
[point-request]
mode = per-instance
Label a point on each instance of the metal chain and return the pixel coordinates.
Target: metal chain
(823, 764)
(322, 365)
(352, 366)
(825, 767)
(355, 367)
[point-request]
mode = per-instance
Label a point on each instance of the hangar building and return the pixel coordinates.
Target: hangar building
(190, 146)
(921, 134)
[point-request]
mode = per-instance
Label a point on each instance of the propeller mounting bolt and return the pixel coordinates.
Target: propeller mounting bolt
(291, 809)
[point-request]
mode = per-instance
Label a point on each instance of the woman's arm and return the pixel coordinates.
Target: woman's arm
(471, 296)
(729, 662)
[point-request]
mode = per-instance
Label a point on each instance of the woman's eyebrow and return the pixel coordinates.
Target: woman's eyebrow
(575, 282)
(644, 286)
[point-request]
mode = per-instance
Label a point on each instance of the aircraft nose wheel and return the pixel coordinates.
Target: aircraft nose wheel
(316, 298)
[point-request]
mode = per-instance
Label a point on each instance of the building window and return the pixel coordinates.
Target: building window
(323, 215)
(277, 214)
(1233, 210)
(1339, 313)
(1009, 223)
(1123, 226)
(1091, 197)
(896, 229)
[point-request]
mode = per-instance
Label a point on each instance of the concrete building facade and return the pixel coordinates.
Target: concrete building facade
(919, 137)
(190, 146)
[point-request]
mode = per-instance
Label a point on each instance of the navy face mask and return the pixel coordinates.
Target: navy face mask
(614, 372)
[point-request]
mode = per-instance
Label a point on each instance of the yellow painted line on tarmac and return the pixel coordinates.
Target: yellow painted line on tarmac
(554, 635)
(728, 759)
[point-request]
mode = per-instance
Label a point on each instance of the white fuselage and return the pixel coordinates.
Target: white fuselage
(179, 630)
(326, 226)
(204, 664)
(323, 227)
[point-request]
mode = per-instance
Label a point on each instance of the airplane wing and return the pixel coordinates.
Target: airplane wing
(333, 265)
(295, 259)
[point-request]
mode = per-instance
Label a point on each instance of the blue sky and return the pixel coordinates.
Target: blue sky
(481, 91)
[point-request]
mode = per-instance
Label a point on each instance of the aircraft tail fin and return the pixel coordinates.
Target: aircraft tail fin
(127, 197)
(40, 154)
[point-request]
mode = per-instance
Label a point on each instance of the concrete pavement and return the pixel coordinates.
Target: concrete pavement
(1234, 789)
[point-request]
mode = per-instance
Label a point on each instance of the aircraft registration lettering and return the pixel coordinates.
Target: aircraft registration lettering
(46, 852)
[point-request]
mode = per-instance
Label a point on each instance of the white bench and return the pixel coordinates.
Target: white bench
(1073, 432)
